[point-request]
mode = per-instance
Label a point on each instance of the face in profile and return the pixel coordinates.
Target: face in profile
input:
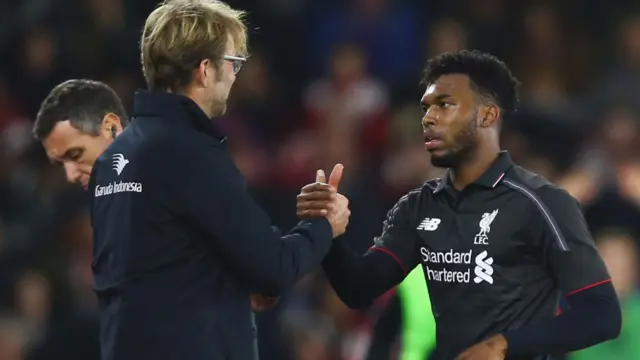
(75, 150)
(450, 128)
(220, 83)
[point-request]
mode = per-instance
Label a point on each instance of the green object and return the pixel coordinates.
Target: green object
(418, 323)
(627, 345)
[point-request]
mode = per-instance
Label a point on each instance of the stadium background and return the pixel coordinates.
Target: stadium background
(328, 81)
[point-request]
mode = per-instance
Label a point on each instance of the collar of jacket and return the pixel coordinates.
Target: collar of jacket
(176, 108)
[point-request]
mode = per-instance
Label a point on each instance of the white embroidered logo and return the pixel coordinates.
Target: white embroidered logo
(485, 228)
(119, 162)
(429, 224)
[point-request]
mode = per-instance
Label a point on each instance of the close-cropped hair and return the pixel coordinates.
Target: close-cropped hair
(490, 77)
(82, 102)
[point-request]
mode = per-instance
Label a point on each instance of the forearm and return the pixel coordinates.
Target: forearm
(594, 317)
(277, 268)
(360, 279)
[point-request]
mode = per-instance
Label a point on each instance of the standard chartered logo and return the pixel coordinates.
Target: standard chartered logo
(117, 187)
(447, 257)
(460, 269)
(483, 270)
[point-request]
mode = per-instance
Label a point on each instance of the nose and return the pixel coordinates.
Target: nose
(72, 172)
(428, 120)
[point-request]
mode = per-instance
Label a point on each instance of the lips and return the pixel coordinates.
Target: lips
(432, 140)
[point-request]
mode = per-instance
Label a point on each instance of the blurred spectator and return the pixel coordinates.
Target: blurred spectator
(446, 35)
(13, 339)
(348, 113)
(385, 30)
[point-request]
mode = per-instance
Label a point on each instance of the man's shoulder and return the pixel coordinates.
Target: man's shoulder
(419, 194)
(535, 185)
(531, 180)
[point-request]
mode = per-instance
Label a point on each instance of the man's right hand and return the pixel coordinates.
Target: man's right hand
(322, 199)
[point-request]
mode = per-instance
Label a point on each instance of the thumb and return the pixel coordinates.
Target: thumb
(336, 175)
(320, 177)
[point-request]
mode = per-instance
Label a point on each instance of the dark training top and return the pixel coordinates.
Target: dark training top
(497, 256)
(179, 244)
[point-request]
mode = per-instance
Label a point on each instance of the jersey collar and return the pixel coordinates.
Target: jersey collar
(490, 179)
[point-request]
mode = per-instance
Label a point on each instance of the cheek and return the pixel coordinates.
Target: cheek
(454, 126)
(92, 154)
(231, 79)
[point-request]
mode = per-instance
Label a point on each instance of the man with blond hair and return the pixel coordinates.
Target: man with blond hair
(179, 244)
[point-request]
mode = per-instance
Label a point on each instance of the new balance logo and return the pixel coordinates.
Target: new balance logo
(483, 270)
(429, 224)
(119, 162)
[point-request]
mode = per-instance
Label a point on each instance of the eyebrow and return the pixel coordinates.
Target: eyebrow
(437, 98)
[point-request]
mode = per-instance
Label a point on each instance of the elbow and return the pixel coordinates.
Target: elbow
(268, 289)
(272, 285)
(609, 331)
(609, 325)
(358, 305)
(270, 282)
(613, 327)
(355, 302)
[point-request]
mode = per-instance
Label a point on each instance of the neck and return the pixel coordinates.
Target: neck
(195, 96)
(476, 165)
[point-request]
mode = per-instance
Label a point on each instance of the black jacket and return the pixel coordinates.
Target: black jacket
(179, 243)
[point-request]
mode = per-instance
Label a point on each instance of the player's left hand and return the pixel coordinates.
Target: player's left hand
(494, 348)
(262, 302)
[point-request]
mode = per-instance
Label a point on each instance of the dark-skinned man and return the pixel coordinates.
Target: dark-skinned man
(499, 245)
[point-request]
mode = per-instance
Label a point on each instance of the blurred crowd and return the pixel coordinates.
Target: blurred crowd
(328, 81)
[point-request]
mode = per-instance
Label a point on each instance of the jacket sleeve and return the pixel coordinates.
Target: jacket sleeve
(206, 188)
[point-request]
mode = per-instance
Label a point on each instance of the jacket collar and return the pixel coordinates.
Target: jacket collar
(175, 107)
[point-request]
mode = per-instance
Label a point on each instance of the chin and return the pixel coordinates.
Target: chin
(442, 161)
(451, 158)
(446, 158)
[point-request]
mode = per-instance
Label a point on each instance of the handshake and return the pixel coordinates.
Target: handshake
(316, 200)
(322, 199)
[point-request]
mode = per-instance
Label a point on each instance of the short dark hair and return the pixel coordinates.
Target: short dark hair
(489, 76)
(81, 101)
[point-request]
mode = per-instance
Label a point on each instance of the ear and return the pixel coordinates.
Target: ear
(203, 72)
(489, 115)
(111, 126)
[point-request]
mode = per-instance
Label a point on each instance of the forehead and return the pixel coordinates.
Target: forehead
(62, 137)
(454, 85)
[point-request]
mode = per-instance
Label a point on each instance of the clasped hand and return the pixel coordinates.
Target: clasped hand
(316, 200)
(322, 199)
